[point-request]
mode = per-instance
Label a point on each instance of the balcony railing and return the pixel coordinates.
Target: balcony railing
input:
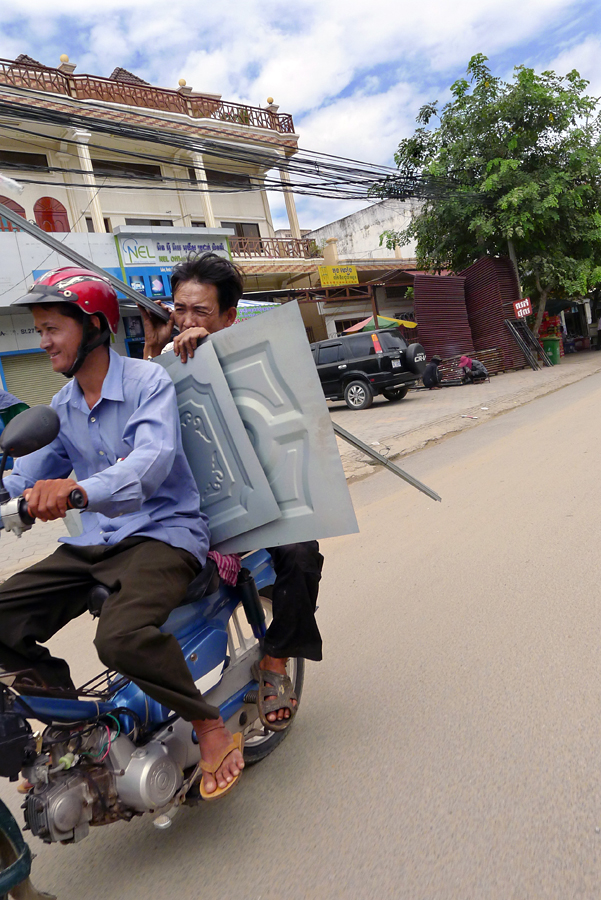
(274, 248)
(91, 87)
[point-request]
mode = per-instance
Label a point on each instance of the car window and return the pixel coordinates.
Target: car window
(361, 345)
(329, 354)
(392, 341)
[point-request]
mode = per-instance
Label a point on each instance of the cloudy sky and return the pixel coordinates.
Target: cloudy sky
(352, 73)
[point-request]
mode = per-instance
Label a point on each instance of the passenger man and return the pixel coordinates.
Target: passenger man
(144, 535)
(206, 290)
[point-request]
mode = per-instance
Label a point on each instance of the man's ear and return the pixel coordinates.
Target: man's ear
(231, 316)
(95, 322)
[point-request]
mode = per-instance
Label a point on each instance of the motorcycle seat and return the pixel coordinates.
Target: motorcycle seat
(206, 583)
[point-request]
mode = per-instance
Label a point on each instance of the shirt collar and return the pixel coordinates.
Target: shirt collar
(112, 386)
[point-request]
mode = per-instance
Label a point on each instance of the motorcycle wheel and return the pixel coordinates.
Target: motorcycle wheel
(259, 742)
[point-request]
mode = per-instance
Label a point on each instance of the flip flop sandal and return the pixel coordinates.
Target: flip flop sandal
(281, 694)
(236, 744)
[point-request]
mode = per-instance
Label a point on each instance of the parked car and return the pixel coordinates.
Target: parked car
(356, 367)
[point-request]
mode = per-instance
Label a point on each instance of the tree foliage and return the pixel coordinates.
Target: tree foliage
(511, 165)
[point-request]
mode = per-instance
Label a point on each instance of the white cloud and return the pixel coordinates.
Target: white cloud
(352, 74)
(585, 58)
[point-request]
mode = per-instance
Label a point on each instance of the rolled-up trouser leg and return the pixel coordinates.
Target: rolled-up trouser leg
(294, 631)
(34, 605)
(149, 581)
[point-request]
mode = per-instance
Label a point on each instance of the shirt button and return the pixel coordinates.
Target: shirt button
(101, 453)
(93, 419)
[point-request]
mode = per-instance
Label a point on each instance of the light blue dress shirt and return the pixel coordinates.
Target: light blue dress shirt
(127, 455)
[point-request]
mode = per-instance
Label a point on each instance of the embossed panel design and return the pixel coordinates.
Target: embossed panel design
(234, 491)
(269, 368)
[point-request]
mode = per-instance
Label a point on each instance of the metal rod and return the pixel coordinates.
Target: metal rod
(365, 448)
(79, 260)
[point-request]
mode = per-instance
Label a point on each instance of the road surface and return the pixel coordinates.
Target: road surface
(449, 746)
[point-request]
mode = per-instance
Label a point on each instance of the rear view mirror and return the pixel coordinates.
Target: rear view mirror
(29, 431)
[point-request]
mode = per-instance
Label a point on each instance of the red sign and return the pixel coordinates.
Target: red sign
(523, 308)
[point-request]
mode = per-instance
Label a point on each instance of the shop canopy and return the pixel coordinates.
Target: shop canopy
(383, 322)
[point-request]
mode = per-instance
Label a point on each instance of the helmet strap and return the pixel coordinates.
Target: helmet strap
(87, 343)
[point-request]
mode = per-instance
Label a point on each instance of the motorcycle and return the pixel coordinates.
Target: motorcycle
(108, 751)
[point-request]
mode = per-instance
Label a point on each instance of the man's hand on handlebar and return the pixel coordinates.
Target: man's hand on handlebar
(49, 500)
(185, 343)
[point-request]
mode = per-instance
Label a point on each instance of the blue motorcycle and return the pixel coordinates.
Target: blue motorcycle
(108, 751)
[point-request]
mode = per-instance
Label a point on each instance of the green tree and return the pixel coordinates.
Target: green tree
(512, 167)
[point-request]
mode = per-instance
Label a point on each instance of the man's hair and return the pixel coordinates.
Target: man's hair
(209, 268)
(72, 311)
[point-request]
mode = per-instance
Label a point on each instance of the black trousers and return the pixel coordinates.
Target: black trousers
(294, 631)
(148, 578)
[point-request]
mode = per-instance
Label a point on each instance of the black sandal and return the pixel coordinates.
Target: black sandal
(281, 694)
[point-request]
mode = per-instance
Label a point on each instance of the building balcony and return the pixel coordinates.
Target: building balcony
(273, 248)
(106, 90)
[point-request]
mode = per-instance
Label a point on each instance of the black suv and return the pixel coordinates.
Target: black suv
(355, 367)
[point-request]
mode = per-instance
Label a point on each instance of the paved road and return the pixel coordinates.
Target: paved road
(449, 745)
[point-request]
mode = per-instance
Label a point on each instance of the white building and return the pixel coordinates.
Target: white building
(358, 235)
(103, 158)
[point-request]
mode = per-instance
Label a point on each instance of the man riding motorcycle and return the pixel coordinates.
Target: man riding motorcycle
(206, 290)
(144, 535)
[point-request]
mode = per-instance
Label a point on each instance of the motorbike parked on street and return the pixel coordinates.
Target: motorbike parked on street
(107, 751)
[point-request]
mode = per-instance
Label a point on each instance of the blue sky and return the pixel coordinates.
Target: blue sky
(353, 74)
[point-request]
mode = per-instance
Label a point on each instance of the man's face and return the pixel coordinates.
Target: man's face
(197, 306)
(60, 336)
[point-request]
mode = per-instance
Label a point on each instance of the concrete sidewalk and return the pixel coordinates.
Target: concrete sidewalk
(394, 429)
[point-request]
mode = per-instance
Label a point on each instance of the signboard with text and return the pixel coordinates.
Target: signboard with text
(523, 308)
(334, 276)
(147, 259)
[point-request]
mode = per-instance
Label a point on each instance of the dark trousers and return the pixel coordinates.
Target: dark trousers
(294, 631)
(148, 578)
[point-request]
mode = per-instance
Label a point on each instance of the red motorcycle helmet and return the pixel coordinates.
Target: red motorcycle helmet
(91, 293)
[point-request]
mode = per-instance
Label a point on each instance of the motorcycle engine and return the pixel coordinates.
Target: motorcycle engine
(79, 783)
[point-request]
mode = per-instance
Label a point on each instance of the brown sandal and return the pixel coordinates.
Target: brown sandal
(281, 693)
(236, 744)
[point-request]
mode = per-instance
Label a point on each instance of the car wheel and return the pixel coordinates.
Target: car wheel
(398, 393)
(358, 395)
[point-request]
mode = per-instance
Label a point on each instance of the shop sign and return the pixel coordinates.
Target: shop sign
(523, 308)
(145, 250)
(334, 276)
(18, 333)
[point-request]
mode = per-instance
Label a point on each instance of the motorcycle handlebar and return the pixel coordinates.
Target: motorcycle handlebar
(76, 499)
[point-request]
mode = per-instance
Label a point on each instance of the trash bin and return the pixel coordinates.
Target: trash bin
(551, 348)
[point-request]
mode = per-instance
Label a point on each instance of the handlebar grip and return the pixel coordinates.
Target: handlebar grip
(76, 499)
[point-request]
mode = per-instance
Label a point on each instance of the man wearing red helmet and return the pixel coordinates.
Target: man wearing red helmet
(144, 535)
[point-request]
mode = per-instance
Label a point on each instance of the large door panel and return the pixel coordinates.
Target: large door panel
(234, 490)
(269, 368)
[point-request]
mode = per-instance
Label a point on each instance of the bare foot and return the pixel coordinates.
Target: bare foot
(213, 739)
(272, 664)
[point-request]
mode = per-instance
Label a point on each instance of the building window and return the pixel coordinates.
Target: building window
(158, 223)
(5, 225)
(342, 324)
(118, 168)
(10, 159)
(198, 224)
(90, 224)
(51, 215)
(243, 229)
(192, 175)
(232, 180)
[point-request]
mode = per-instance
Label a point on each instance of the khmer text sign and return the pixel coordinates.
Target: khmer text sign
(334, 276)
